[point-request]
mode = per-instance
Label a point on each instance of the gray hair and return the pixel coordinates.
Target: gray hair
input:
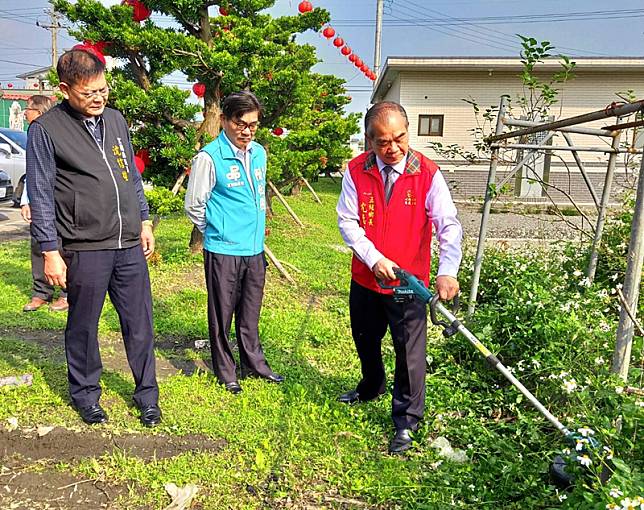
(380, 110)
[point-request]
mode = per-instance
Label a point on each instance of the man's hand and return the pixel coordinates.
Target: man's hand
(55, 268)
(384, 269)
(147, 240)
(447, 287)
(25, 212)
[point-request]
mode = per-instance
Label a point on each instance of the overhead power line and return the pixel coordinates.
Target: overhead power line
(522, 18)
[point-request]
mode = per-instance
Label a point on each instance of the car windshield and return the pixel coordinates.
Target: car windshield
(17, 137)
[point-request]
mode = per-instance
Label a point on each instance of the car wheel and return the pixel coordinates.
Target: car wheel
(17, 194)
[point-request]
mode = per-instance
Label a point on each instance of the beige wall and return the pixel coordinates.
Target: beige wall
(441, 93)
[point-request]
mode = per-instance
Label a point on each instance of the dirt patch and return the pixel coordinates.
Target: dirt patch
(64, 445)
(53, 490)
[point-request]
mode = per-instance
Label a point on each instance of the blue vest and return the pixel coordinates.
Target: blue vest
(235, 212)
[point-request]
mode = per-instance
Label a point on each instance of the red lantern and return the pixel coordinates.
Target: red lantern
(364, 68)
(36, 85)
(345, 51)
(338, 42)
(328, 32)
(9, 85)
(349, 98)
(352, 58)
(358, 62)
(144, 154)
(278, 131)
(199, 89)
(305, 7)
(372, 77)
(140, 164)
(140, 11)
(223, 11)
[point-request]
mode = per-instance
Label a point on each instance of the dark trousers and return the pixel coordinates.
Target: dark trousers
(41, 288)
(235, 285)
(371, 313)
(124, 275)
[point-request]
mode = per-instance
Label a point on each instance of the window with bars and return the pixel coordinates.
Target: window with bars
(430, 125)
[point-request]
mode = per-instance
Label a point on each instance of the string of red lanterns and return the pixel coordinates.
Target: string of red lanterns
(329, 33)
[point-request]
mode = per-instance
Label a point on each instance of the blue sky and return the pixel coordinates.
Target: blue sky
(416, 27)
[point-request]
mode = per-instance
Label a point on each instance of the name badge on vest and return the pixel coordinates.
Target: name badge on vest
(234, 175)
(410, 198)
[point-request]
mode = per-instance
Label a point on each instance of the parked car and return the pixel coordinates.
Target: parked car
(6, 188)
(13, 144)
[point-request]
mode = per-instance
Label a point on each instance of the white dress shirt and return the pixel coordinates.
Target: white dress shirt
(203, 179)
(440, 210)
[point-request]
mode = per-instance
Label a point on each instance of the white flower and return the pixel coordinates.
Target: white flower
(580, 444)
(584, 460)
(609, 455)
(471, 486)
(612, 506)
(562, 497)
(570, 386)
(577, 272)
(585, 282)
(566, 451)
(614, 277)
(536, 363)
(640, 403)
(629, 504)
(584, 431)
(599, 360)
(615, 493)
(619, 390)
(604, 326)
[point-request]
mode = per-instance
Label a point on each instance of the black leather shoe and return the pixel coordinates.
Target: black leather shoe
(353, 396)
(150, 415)
(273, 377)
(93, 414)
(350, 397)
(401, 441)
(233, 387)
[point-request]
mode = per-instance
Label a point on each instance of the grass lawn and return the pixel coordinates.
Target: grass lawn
(277, 446)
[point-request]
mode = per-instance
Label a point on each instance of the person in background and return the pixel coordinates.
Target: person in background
(391, 198)
(226, 201)
(84, 188)
(42, 293)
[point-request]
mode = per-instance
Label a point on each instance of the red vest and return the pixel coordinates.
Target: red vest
(401, 229)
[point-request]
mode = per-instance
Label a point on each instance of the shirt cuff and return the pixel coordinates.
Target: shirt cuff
(447, 269)
(49, 246)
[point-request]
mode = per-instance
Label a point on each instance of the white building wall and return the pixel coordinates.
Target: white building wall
(441, 93)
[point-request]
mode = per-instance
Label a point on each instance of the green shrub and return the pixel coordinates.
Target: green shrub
(162, 202)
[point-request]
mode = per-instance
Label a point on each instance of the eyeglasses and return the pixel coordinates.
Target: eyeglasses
(104, 92)
(242, 126)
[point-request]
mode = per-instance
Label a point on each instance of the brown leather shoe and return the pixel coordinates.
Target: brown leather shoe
(60, 305)
(34, 304)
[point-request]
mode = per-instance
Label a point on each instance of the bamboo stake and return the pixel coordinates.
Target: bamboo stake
(285, 204)
(278, 265)
(310, 188)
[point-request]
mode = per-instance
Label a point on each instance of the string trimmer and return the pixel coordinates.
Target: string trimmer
(410, 286)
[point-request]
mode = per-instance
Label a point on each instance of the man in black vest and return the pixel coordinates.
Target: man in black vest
(85, 188)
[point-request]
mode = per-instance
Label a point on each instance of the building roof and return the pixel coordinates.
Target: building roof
(394, 65)
(35, 73)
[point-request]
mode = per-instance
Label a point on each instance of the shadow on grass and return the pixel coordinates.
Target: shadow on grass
(40, 352)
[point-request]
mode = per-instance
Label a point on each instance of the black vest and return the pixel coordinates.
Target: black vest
(97, 207)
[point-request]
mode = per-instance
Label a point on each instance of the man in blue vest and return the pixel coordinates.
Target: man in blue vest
(226, 201)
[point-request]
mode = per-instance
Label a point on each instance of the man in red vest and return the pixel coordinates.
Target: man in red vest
(391, 198)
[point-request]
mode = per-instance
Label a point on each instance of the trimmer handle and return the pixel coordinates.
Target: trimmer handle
(448, 329)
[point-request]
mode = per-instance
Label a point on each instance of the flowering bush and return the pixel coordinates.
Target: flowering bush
(539, 314)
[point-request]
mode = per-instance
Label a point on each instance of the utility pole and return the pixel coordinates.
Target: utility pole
(54, 26)
(380, 7)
